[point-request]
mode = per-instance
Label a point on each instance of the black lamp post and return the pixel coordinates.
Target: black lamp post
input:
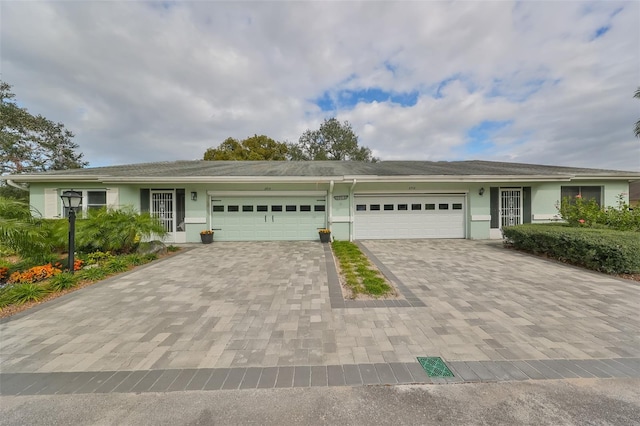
(72, 200)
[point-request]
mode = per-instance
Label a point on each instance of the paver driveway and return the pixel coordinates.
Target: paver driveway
(267, 304)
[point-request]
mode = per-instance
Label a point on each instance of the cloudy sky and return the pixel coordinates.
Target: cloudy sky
(548, 82)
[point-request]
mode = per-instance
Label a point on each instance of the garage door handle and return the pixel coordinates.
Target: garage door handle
(272, 218)
(265, 218)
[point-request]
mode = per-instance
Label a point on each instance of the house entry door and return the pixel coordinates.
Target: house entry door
(510, 207)
(163, 208)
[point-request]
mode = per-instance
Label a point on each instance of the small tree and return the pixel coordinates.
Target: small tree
(332, 141)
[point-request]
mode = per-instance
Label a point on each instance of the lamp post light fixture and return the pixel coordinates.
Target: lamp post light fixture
(72, 200)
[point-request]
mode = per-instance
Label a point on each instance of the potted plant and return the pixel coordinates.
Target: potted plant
(206, 236)
(325, 235)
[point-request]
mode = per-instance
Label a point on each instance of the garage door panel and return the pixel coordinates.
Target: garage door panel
(405, 217)
(267, 218)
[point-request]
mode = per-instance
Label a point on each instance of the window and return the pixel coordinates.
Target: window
(403, 207)
(292, 208)
(456, 206)
(218, 209)
(91, 200)
(388, 206)
(305, 208)
(318, 208)
(373, 207)
(96, 199)
(416, 206)
(586, 192)
(276, 208)
(262, 208)
(247, 208)
(443, 206)
(429, 206)
(233, 208)
(361, 207)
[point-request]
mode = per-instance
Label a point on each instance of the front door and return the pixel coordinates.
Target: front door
(163, 208)
(510, 207)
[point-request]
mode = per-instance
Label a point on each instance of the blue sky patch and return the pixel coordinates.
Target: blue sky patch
(350, 98)
(601, 31)
(480, 138)
(517, 92)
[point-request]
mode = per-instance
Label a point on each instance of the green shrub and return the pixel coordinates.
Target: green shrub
(603, 250)
(117, 231)
(5, 298)
(172, 249)
(21, 232)
(150, 257)
(20, 294)
(93, 274)
(63, 281)
(135, 259)
(99, 257)
(588, 214)
(118, 264)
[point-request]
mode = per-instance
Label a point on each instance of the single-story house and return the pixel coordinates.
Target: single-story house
(287, 200)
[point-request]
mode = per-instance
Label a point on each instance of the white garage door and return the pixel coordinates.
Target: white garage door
(267, 218)
(409, 216)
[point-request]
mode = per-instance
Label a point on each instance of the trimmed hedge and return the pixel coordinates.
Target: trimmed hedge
(606, 250)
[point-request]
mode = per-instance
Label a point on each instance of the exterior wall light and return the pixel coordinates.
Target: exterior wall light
(481, 192)
(72, 200)
(194, 196)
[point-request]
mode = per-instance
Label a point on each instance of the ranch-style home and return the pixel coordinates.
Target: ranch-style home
(287, 200)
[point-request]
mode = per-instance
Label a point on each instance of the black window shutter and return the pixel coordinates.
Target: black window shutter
(526, 199)
(494, 207)
(144, 200)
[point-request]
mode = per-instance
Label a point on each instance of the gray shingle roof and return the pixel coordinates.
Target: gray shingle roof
(194, 169)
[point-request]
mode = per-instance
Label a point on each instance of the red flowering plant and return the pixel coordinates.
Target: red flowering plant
(580, 212)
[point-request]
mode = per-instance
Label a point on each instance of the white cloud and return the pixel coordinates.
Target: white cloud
(144, 82)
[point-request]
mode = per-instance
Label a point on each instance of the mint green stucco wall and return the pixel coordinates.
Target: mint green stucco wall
(545, 196)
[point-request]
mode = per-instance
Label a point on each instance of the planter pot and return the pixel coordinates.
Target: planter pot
(325, 237)
(206, 238)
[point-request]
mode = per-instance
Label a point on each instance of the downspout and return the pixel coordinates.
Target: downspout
(15, 185)
(352, 213)
(330, 206)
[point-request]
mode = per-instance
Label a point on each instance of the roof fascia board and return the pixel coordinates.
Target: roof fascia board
(460, 178)
(225, 179)
(627, 178)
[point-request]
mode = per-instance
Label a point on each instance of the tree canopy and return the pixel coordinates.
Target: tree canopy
(637, 130)
(31, 143)
(254, 148)
(332, 141)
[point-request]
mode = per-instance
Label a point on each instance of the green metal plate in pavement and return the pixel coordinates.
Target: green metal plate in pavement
(435, 366)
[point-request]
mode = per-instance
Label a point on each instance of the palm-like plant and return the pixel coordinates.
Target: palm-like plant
(118, 231)
(22, 232)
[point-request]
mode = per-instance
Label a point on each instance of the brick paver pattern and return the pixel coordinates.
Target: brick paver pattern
(255, 308)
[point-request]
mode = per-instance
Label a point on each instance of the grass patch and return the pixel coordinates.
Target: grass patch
(360, 277)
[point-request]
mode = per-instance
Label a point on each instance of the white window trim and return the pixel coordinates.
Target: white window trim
(85, 197)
